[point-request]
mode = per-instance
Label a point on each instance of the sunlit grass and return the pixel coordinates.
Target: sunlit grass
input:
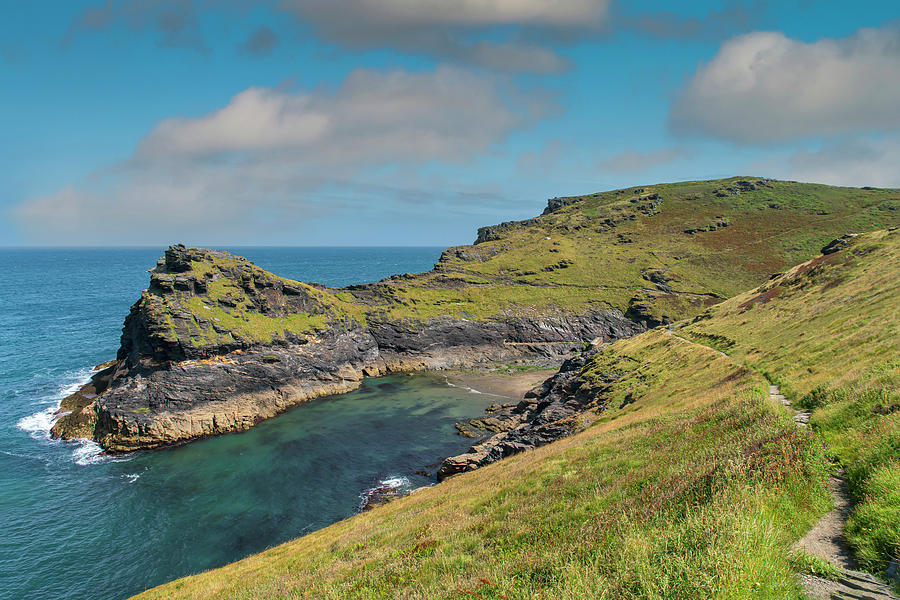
(831, 339)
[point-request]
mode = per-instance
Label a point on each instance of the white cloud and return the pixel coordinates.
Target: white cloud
(852, 162)
(632, 161)
(255, 119)
(764, 88)
(373, 117)
(478, 13)
(449, 29)
(263, 157)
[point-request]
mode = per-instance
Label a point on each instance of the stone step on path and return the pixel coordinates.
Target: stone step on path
(826, 541)
(800, 418)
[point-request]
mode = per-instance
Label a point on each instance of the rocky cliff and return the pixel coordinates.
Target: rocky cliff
(215, 343)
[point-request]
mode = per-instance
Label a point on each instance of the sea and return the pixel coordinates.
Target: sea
(79, 525)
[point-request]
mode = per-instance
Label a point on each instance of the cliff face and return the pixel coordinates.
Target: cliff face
(216, 344)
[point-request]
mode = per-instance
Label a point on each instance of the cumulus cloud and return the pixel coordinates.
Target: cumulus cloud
(715, 24)
(373, 117)
(632, 161)
(499, 34)
(508, 35)
(764, 87)
(449, 29)
(261, 159)
(403, 14)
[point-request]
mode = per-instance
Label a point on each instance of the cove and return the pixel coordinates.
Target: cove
(113, 526)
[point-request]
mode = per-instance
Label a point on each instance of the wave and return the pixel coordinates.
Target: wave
(394, 482)
(38, 425)
(387, 489)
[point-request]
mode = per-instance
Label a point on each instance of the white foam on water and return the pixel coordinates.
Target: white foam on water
(393, 483)
(80, 377)
(468, 389)
(473, 390)
(38, 425)
(131, 477)
(89, 452)
(86, 452)
(384, 488)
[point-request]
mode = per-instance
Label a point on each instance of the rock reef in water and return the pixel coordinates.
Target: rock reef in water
(562, 405)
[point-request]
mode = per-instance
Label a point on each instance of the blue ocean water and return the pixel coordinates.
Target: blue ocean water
(79, 525)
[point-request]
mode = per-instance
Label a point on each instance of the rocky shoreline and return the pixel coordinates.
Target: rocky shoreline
(560, 406)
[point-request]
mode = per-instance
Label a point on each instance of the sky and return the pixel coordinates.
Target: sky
(414, 122)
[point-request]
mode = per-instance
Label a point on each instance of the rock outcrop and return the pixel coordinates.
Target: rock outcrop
(559, 407)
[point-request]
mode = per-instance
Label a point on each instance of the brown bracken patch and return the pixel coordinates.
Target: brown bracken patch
(762, 298)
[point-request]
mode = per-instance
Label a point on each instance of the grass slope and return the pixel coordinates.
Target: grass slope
(599, 250)
(828, 333)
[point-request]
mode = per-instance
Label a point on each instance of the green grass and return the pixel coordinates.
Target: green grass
(830, 338)
(249, 324)
(624, 509)
(803, 562)
(513, 368)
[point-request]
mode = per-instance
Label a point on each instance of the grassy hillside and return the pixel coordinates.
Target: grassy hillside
(666, 250)
(660, 253)
(828, 332)
(625, 509)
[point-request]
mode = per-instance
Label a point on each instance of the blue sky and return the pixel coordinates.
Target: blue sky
(413, 122)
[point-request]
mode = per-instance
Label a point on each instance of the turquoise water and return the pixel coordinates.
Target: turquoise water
(78, 525)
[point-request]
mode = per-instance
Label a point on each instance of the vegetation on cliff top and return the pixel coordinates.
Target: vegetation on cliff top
(690, 484)
(658, 253)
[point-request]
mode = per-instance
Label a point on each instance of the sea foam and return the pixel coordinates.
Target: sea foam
(38, 425)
